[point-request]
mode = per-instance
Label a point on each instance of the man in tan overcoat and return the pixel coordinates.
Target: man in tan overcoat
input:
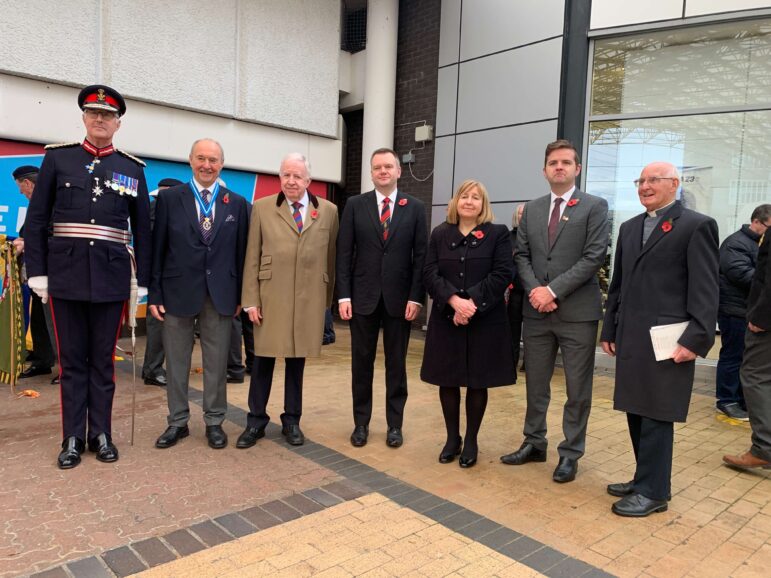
(288, 282)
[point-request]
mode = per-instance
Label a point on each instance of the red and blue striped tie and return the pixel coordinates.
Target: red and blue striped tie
(298, 218)
(385, 217)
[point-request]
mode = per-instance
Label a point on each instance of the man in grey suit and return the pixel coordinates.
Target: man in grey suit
(562, 241)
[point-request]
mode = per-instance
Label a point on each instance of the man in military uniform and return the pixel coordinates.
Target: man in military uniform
(88, 192)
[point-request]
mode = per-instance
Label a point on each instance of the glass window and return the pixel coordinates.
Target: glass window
(723, 65)
(724, 161)
(699, 98)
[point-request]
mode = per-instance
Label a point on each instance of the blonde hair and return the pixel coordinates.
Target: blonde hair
(485, 216)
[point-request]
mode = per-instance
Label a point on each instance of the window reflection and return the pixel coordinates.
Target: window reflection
(722, 65)
(724, 160)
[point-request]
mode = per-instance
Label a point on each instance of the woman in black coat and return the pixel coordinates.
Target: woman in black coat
(468, 267)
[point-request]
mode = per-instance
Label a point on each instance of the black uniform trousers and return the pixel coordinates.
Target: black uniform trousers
(365, 330)
(86, 335)
(38, 328)
(652, 441)
(259, 391)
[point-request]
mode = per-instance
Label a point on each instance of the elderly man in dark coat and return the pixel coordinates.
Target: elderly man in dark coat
(665, 272)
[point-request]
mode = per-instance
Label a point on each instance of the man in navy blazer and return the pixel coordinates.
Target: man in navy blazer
(380, 253)
(199, 245)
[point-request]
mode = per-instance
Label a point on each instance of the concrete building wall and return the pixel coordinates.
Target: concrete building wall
(611, 13)
(260, 76)
(497, 98)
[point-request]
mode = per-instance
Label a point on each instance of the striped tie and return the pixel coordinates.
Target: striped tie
(385, 217)
(298, 218)
(205, 222)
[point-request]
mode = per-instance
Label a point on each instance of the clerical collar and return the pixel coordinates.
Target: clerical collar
(661, 211)
(96, 151)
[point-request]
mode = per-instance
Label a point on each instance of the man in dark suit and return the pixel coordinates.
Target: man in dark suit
(562, 241)
(199, 244)
(152, 368)
(380, 254)
(665, 272)
(77, 251)
(41, 357)
(756, 365)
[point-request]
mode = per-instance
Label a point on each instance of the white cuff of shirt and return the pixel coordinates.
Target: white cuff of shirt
(553, 294)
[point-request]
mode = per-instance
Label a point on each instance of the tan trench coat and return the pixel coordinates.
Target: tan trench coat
(290, 275)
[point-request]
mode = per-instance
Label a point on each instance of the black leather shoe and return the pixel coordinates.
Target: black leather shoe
(250, 437)
(217, 437)
(468, 458)
(34, 370)
(621, 489)
(394, 437)
(232, 378)
(104, 448)
(159, 380)
(171, 436)
(566, 470)
(638, 506)
(55, 380)
(526, 453)
(69, 457)
(450, 450)
(293, 434)
(359, 436)
(624, 489)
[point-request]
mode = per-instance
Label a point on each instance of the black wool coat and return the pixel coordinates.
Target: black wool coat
(673, 278)
(477, 266)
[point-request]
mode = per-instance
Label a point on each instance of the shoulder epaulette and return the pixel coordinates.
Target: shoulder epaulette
(138, 161)
(61, 145)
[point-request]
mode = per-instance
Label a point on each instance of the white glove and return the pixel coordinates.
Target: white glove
(39, 285)
(141, 292)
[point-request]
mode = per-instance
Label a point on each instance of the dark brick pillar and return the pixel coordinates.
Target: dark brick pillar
(416, 87)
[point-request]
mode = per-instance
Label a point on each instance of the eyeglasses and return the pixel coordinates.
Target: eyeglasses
(651, 181)
(105, 114)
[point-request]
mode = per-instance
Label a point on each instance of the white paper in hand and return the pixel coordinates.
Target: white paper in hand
(664, 339)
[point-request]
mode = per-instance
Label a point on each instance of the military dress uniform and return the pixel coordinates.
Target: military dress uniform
(89, 195)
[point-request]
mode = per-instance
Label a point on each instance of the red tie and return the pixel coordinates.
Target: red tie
(385, 218)
(554, 221)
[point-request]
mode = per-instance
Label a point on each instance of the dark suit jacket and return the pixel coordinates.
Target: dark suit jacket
(185, 268)
(368, 267)
(569, 266)
(673, 278)
(759, 301)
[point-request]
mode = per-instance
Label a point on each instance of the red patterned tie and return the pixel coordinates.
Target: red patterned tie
(554, 221)
(385, 217)
(298, 218)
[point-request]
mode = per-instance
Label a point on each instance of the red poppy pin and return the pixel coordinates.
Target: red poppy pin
(572, 202)
(478, 234)
(666, 226)
(402, 202)
(314, 214)
(226, 198)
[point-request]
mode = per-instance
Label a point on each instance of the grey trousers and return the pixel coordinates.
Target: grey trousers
(577, 341)
(178, 340)
(756, 379)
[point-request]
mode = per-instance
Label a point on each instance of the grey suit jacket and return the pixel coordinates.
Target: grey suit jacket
(570, 266)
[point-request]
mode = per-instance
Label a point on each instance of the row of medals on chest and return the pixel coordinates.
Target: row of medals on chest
(115, 186)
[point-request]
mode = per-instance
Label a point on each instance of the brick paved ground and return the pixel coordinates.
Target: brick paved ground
(718, 524)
